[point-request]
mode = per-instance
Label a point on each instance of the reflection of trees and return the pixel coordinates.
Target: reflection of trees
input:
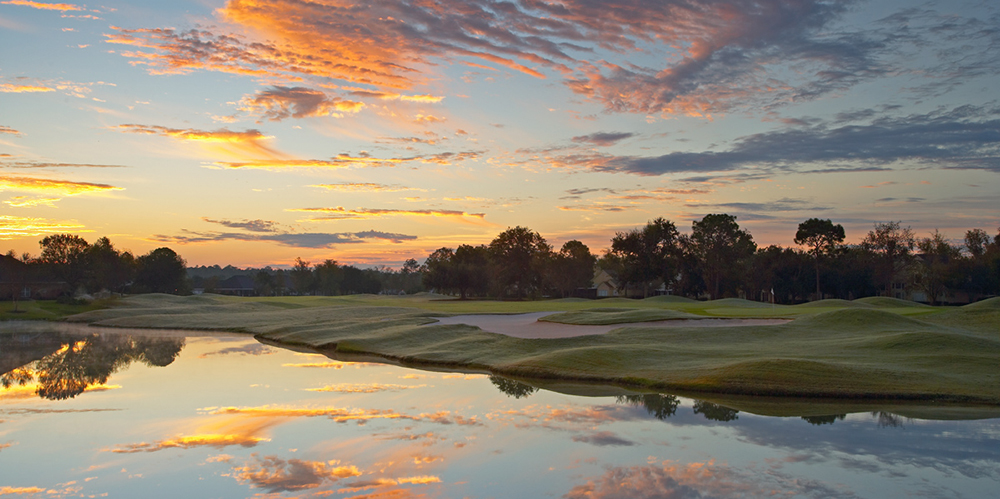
(512, 388)
(888, 419)
(90, 361)
(822, 420)
(658, 405)
(715, 412)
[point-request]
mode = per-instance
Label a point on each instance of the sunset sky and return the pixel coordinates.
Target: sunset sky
(251, 132)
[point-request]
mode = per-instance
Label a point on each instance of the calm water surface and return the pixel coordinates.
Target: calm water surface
(95, 413)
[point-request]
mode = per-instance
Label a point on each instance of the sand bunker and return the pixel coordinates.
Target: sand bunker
(528, 326)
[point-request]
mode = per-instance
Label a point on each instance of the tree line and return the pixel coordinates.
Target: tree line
(81, 266)
(716, 259)
(720, 259)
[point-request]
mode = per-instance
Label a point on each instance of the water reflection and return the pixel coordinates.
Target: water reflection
(228, 418)
(83, 362)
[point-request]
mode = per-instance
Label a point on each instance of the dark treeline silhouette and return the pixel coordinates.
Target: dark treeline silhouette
(327, 278)
(68, 266)
(719, 259)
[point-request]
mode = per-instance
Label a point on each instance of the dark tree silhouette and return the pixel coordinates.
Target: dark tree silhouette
(822, 237)
(892, 246)
(519, 257)
(649, 253)
(512, 388)
(439, 270)
(161, 271)
(822, 420)
(572, 268)
(64, 255)
(470, 270)
(721, 248)
(939, 265)
(715, 412)
(659, 405)
(302, 277)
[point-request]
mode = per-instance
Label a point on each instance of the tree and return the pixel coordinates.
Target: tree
(519, 257)
(470, 270)
(939, 260)
(822, 237)
(263, 283)
(161, 271)
(439, 270)
(328, 277)
(64, 254)
(302, 276)
(650, 253)
(106, 267)
(891, 245)
(572, 268)
(721, 248)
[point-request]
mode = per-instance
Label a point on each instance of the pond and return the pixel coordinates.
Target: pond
(88, 412)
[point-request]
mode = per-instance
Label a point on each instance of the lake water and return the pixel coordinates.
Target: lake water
(179, 414)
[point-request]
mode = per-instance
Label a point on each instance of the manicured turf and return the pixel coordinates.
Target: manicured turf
(46, 310)
(866, 349)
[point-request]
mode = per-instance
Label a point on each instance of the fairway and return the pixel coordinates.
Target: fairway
(867, 349)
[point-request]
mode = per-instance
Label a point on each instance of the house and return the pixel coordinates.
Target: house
(605, 285)
(237, 285)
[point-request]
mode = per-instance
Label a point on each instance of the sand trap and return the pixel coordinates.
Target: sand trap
(527, 325)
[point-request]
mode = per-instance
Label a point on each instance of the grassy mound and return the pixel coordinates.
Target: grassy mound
(669, 299)
(987, 304)
(603, 316)
(833, 303)
(853, 352)
(736, 303)
(888, 302)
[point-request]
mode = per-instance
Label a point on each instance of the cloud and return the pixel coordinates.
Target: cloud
(341, 213)
(291, 239)
(250, 141)
(603, 139)
(30, 202)
(363, 388)
(52, 186)
(340, 161)
(278, 475)
(20, 89)
(378, 94)
(46, 164)
(14, 227)
(365, 187)
(699, 480)
(597, 207)
(249, 225)
(7, 129)
(215, 440)
(44, 6)
(338, 414)
(780, 205)
(279, 103)
(7, 490)
(603, 439)
(964, 137)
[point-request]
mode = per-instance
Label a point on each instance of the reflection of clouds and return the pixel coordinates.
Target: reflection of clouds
(548, 416)
(187, 442)
(333, 365)
(602, 439)
(698, 480)
(251, 349)
(363, 388)
(30, 391)
(278, 475)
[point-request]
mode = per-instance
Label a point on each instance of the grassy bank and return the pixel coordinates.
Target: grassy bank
(47, 310)
(870, 349)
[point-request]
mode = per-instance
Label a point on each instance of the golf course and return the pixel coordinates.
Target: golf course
(867, 349)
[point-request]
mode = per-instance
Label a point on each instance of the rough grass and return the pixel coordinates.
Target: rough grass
(47, 310)
(858, 352)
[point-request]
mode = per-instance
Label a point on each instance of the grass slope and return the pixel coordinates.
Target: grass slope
(854, 352)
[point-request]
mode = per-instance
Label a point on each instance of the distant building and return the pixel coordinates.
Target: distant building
(237, 285)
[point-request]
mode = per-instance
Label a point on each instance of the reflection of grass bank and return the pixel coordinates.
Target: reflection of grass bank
(867, 350)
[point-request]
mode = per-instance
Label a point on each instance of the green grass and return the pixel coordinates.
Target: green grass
(880, 350)
(47, 310)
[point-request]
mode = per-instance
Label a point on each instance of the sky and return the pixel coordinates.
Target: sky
(252, 132)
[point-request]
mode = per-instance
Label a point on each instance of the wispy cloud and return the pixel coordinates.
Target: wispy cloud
(44, 6)
(249, 225)
(277, 475)
(247, 141)
(20, 89)
(603, 139)
(291, 239)
(9, 130)
(52, 186)
(341, 213)
(12, 227)
(365, 187)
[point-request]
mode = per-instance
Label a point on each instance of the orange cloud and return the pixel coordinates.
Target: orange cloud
(278, 475)
(363, 388)
(5, 490)
(365, 187)
(339, 161)
(44, 6)
(186, 442)
(19, 89)
(361, 92)
(13, 227)
(222, 140)
(51, 186)
(337, 414)
(7, 129)
(341, 213)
